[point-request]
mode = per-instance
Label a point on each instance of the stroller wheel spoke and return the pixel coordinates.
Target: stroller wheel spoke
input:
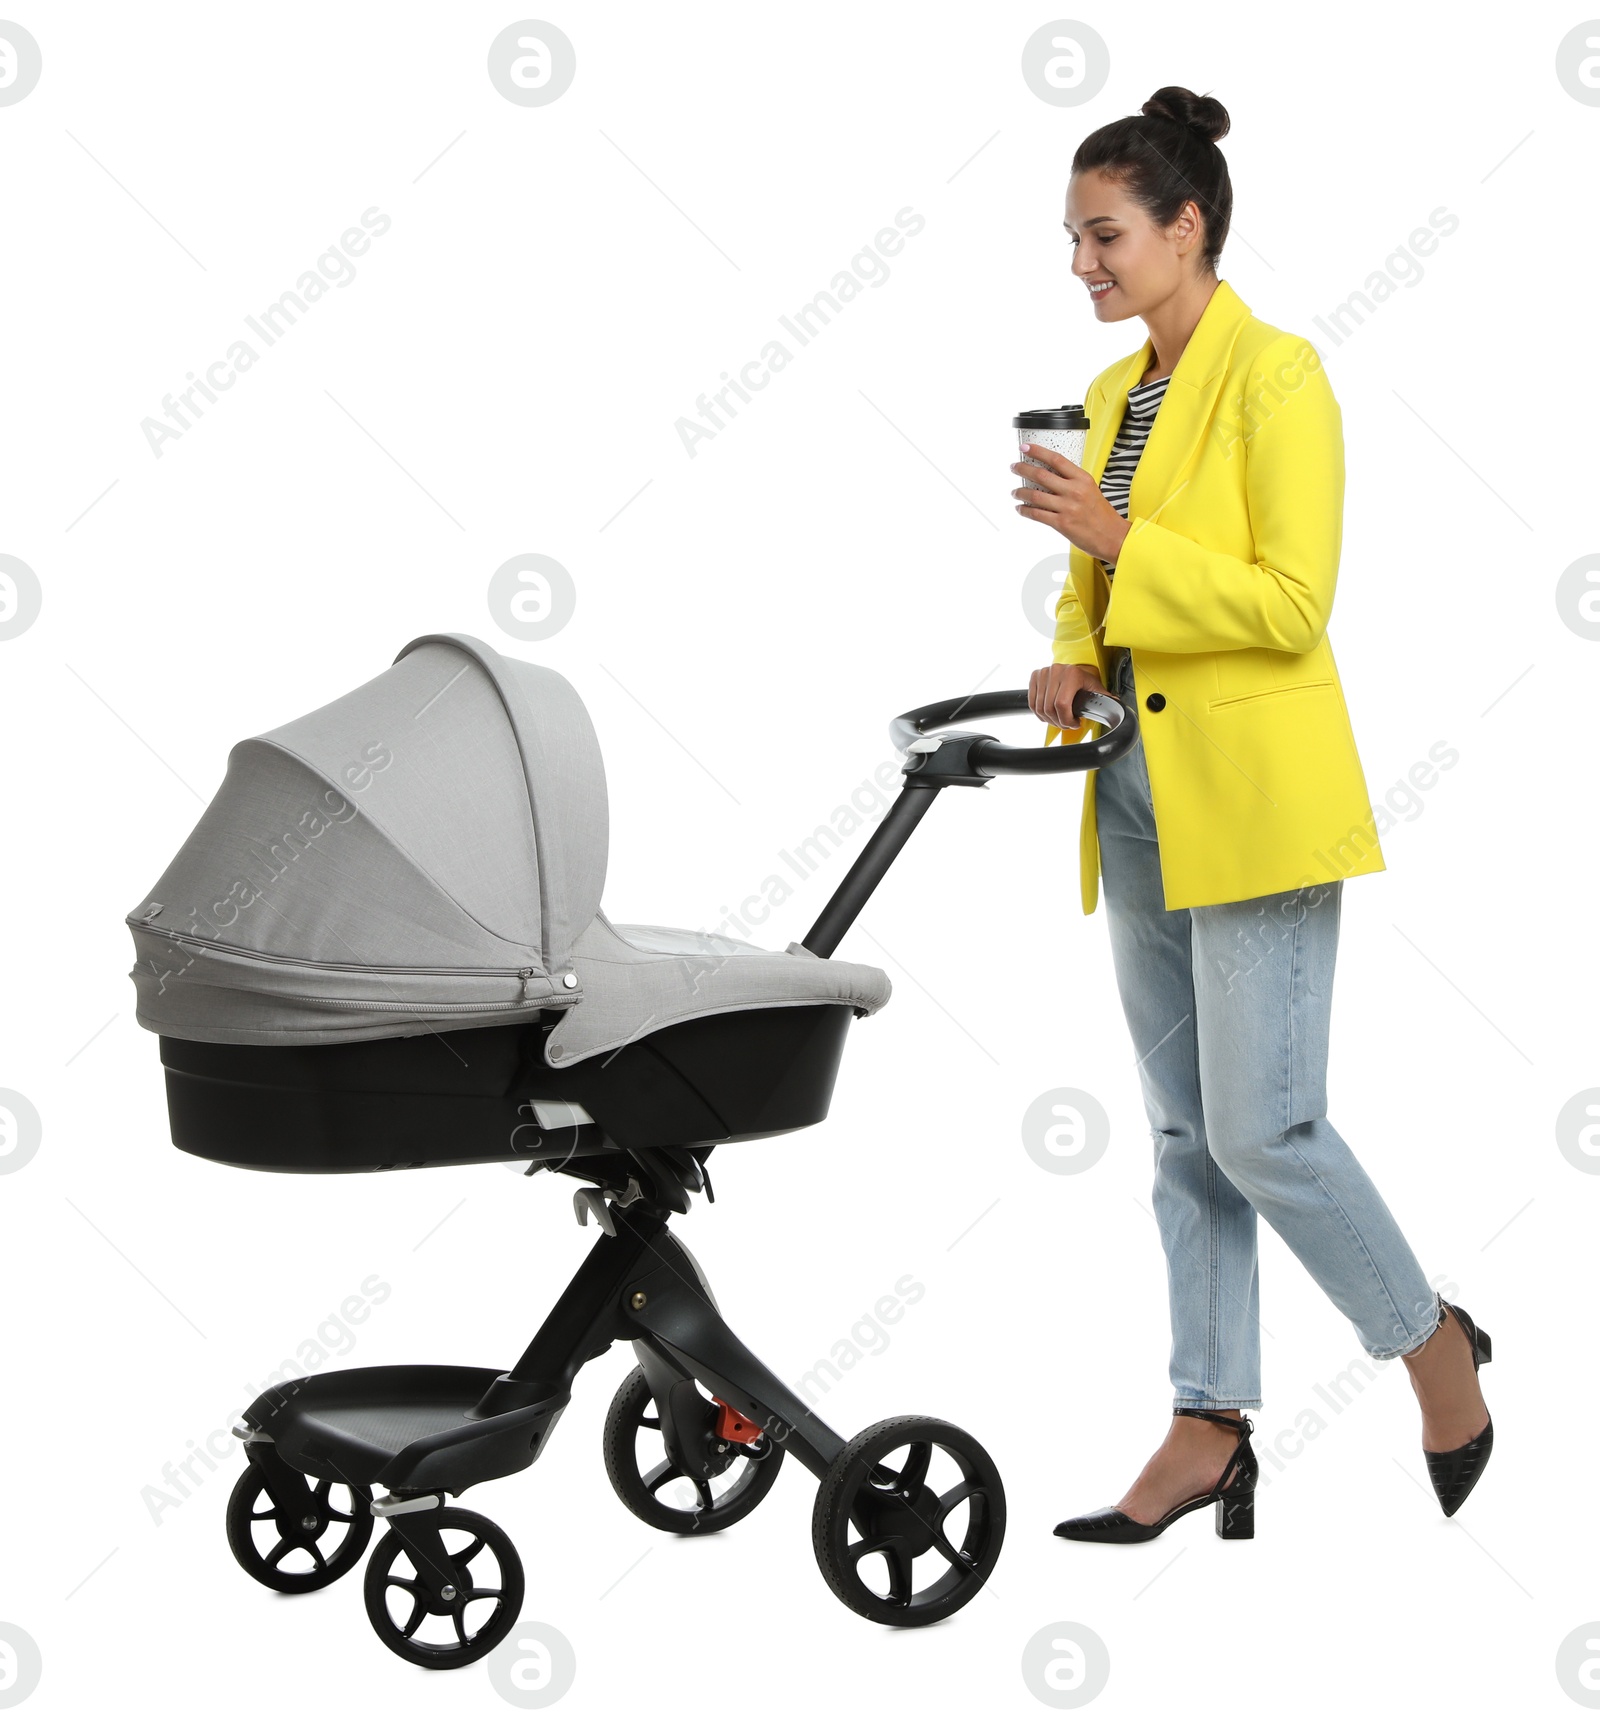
(662, 1474)
(953, 1498)
(414, 1621)
(899, 1574)
(914, 1473)
(893, 1550)
(879, 1496)
(287, 1547)
(948, 1550)
(325, 1505)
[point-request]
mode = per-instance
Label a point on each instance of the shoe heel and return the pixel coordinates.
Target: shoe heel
(1236, 1516)
(1485, 1350)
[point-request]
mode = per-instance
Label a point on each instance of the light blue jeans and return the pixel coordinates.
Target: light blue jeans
(1228, 1007)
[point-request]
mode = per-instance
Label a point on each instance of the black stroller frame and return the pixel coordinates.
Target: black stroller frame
(724, 1420)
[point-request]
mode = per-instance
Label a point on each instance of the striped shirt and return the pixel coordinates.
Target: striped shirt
(1128, 446)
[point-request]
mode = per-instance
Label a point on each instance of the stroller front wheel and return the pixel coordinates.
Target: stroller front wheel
(297, 1557)
(729, 1479)
(449, 1565)
(903, 1490)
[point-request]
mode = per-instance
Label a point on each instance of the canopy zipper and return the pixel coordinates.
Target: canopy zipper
(525, 974)
(401, 1008)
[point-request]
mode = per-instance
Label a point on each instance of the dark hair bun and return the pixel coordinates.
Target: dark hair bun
(1202, 114)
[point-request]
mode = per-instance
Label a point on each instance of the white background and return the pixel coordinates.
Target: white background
(554, 293)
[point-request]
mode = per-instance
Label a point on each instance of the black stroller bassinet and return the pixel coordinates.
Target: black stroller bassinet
(382, 948)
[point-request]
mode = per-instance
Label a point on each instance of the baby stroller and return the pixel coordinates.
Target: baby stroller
(382, 948)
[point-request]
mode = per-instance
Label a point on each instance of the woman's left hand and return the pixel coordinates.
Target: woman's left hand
(1066, 497)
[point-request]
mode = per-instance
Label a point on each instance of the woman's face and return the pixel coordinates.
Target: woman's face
(1117, 244)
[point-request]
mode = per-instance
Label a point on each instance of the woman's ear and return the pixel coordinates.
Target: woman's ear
(1188, 230)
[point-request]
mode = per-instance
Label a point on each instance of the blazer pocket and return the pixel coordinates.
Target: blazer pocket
(1271, 691)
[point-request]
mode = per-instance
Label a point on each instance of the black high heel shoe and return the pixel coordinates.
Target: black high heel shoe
(1454, 1471)
(1234, 1493)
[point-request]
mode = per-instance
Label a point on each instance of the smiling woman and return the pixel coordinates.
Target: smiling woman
(1212, 487)
(1167, 180)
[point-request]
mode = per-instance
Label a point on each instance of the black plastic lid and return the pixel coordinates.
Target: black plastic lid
(1068, 418)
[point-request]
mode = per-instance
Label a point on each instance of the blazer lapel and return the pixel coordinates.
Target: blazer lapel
(1186, 409)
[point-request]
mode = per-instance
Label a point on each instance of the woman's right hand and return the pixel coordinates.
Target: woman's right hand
(1053, 693)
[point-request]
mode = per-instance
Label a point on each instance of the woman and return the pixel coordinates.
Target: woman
(1205, 545)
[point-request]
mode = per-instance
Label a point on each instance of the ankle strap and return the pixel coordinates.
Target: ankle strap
(1239, 1426)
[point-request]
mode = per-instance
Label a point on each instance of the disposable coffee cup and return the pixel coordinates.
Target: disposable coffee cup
(1057, 429)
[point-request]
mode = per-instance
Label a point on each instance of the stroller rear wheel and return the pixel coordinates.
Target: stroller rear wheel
(725, 1482)
(297, 1556)
(452, 1564)
(880, 1508)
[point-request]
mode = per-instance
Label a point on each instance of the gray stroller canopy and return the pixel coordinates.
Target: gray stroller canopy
(437, 836)
(429, 851)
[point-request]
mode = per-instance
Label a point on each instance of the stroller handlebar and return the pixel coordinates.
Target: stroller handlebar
(938, 759)
(922, 731)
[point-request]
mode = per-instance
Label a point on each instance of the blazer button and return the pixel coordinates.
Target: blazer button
(1155, 701)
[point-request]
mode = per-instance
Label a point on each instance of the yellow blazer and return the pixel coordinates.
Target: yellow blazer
(1222, 593)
